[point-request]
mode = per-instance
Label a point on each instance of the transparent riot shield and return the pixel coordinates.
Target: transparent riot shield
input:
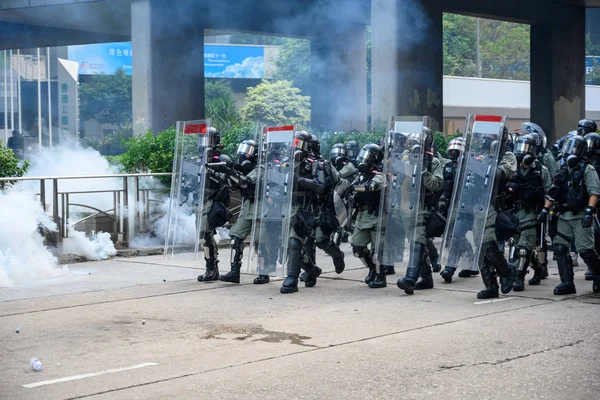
(472, 193)
(274, 194)
(402, 194)
(186, 213)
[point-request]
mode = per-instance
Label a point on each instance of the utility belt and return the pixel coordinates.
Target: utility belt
(520, 206)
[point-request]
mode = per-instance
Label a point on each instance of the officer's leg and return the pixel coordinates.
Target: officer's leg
(434, 256)
(312, 272)
(562, 241)
(495, 256)
(584, 241)
(290, 284)
(360, 240)
(488, 275)
(268, 249)
(426, 281)
(380, 280)
(237, 252)
(459, 243)
(524, 254)
(211, 257)
(468, 250)
(417, 254)
(332, 250)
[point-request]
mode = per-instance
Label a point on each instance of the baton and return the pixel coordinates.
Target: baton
(597, 221)
(542, 235)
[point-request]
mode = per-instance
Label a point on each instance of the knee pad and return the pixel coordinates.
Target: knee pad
(237, 243)
(561, 250)
(591, 259)
(360, 252)
(294, 244)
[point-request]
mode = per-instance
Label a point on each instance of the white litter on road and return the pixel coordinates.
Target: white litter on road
(494, 301)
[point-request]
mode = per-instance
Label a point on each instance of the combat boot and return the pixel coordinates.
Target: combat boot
(496, 260)
(380, 280)
(414, 268)
(596, 285)
(537, 277)
(212, 271)
(371, 275)
(490, 281)
(388, 269)
(467, 273)
(290, 283)
(311, 276)
(261, 280)
(592, 260)
(426, 281)
(232, 276)
(589, 276)
(447, 274)
(565, 270)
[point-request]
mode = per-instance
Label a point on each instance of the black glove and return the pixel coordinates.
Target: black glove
(588, 218)
(543, 215)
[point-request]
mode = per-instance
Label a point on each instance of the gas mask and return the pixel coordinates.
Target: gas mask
(572, 161)
(299, 156)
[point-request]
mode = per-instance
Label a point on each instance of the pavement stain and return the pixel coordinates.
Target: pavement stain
(255, 332)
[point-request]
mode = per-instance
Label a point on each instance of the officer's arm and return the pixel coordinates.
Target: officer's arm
(507, 165)
(316, 184)
(434, 180)
(348, 170)
(592, 183)
(546, 179)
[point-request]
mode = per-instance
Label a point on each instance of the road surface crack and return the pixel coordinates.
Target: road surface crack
(506, 360)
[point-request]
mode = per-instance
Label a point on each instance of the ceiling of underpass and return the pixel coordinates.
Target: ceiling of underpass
(114, 16)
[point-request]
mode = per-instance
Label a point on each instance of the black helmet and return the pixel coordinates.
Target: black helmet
(352, 149)
(525, 146)
(510, 142)
(593, 144)
(247, 151)
(371, 155)
(212, 138)
(574, 150)
(586, 126)
(337, 150)
(302, 141)
(315, 145)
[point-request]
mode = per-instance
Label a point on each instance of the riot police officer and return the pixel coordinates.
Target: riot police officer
(347, 172)
(216, 201)
(455, 149)
(243, 178)
(494, 262)
(309, 182)
(586, 126)
(432, 180)
(593, 155)
(574, 194)
(352, 151)
(526, 191)
(542, 154)
(367, 195)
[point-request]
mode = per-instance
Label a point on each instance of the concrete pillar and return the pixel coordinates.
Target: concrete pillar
(339, 79)
(168, 67)
(407, 59)
(558, 72)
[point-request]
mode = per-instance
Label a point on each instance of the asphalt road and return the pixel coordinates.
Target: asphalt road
(144, 328)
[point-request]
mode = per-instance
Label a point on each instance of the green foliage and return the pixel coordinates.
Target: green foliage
(504, 48)
(149, 153)
(293, 64)
(106, 99)
(276, 103)
(10, 166)
(591, 48)
(441, 142)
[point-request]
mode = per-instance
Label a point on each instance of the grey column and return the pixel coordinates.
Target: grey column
(168, 67)
(407, 59)
(558, 72)
(339, 79)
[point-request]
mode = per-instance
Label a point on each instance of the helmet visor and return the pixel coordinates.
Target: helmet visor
(366, 156)
(338, 152)
(301, 144)
(247, 150)
(522, 147)
(574, 147)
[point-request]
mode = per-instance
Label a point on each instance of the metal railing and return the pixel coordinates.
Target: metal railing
(119, 213)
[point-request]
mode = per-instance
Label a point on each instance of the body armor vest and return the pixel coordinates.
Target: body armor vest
(571, 193)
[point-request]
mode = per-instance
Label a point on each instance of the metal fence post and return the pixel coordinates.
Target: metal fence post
(126, 212)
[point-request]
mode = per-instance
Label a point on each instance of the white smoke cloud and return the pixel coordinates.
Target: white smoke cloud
(251, 67)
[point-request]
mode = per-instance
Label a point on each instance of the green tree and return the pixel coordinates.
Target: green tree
(10, 166)
(293, 64)
(276, 103)
(236, 134)
(106, 99)
(220, 105)
(459, 42)
(591, 48)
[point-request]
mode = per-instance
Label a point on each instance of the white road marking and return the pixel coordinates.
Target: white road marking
(84, 376)
(494, 301)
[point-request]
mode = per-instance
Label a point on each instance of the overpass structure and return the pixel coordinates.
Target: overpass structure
(168, 36)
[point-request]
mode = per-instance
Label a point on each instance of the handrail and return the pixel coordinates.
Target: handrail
(37, 178)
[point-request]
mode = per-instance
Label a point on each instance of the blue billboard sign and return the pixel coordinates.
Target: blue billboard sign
(220, 61)
(103, 58)
(591, 63)
(234, 61)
